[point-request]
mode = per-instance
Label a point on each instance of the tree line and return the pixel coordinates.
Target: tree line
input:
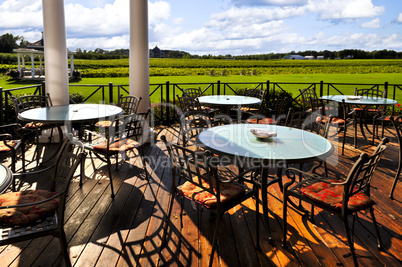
(8, 43)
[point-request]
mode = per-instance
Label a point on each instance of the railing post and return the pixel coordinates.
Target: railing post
(111, 93)
(43, 90)
(321, 88)
(218, 85)
(167, 111)
(386, 89)
(267, 94)
(2, 106)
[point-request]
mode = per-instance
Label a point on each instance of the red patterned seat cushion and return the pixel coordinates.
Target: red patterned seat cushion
(119, 146)
(29, 214)
(334, 120)
(105, 124)
(261, 121)
(229, 191)
(36, 124)
(332, 195)
(4, 148)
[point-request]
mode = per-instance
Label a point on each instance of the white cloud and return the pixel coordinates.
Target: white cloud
(399, 19)
(375, 23)
(345, 9)
(21, 14)
(268, 2)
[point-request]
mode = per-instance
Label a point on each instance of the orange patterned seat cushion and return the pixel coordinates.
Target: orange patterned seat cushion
(36, 125)
(29, 214)
(335, 120)
(119, 146)
(332, 195)
(105, 124)
(261, 121)
(229, 191)
(4, 148)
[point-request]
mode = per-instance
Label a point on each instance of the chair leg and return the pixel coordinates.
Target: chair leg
(391, 195)
(215, 239)
(64, 248)
(257, 217)
(167, 219)
(144, 163)
(285, 230)
(377, 232)
(350, 241)
(109, 167)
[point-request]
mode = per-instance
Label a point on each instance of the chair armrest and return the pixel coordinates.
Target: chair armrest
(290, 172)
(33, 203)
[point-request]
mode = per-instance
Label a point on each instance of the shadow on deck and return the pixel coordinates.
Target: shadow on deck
(127, 231)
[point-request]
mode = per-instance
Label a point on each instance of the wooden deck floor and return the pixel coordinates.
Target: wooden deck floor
(126, 231)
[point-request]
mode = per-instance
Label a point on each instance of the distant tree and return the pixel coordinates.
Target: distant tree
(8, 43)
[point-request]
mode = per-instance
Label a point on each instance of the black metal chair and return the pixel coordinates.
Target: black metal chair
(129, 104)
(127, 133)
(258, 93)
(270, 112)
(208, 186)
(397, 123)
(35, 129)
(31, 214)
(192, 92)
(339, 197)
(12, 140)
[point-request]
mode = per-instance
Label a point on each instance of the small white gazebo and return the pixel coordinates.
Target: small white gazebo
(38, 72)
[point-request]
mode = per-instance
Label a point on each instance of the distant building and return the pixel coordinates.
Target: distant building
(32, 51)
(309, 57)
(157, 53)
(297, 57)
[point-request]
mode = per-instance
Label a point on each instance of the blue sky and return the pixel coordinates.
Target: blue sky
(221, 27)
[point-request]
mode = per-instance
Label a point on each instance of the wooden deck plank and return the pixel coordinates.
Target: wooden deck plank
(127, 230)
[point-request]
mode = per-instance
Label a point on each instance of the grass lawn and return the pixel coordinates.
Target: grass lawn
(298, 79)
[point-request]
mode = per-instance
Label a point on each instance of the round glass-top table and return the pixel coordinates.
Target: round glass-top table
(229, 100)
(364, 100)
(70, 113)
(6, 178)
(291, 145)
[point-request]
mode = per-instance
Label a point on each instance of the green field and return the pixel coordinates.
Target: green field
(299, 72)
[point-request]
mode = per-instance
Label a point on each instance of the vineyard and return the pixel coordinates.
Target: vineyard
(194, 67)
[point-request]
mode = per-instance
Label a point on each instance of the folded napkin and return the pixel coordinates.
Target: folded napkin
(354, 97)
(260, 133)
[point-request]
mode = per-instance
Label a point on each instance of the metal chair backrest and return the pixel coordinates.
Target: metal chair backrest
(192, 92)
(28, 102)
(129, 104)
(273, 108)
(193, 167)
(306, 95)
(189, 104)
(192, 124)
(133, 126)
(361, 174)
(372, 92)
(296, 119)
(258, 93)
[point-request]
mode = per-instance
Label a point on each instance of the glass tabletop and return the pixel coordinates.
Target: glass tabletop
(6, 178)
(233, 100)
(72, 113)
(364, 100)
(291, 145)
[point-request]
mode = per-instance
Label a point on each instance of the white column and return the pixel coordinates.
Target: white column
(19, 64)
(139, 52)
(32, 66)
(56, 64)
(71, 65)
